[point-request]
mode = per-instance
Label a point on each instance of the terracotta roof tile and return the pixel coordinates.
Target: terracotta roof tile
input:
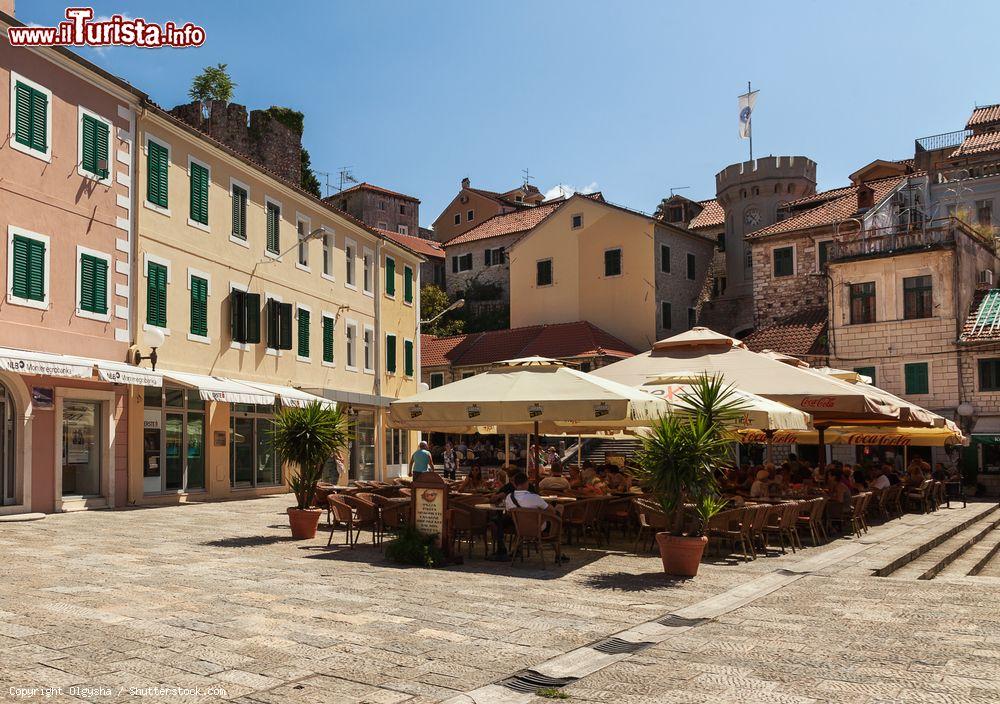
(507, 223)
(978, 144)
(799, 334)
(984, 115)
(375, 189)
(983, 321)
(712, 216)
(558, 340)
(427, 248)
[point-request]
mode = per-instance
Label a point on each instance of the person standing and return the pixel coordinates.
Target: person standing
(450, 461)
(421, 461)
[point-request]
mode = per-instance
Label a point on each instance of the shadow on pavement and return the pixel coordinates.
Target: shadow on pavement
(630, 582)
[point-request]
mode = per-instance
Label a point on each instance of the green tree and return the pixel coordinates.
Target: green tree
(213, 83)
(433, 300)
(309, 182)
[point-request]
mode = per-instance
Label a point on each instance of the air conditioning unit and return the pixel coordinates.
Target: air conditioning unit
(985, 277)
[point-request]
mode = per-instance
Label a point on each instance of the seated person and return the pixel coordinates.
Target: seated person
(588, 473)
(473, 482)
(940, 474)
(860, 478)
(522, 497)
(555, 482)
(880, 480)
(759, 488)
(839, 495)
(914, 474)
(575, 478)
(616, 480)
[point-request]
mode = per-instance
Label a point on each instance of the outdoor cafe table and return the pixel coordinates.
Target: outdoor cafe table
(548, 499)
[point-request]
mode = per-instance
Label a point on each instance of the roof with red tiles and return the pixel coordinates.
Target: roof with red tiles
(979, 144)
(799, 334)
(983, 321)
(558, 340)
(364, 186)
(712, 216)
(826, 213)
(418, 245)
(983, 115)
(507, 223)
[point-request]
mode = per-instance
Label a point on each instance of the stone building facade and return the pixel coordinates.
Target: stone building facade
(379, 207)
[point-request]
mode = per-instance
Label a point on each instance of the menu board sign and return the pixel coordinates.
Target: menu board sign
(430, 505)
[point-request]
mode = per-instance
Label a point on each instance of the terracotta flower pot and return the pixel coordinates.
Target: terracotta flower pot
(304, 522)
(681, 555)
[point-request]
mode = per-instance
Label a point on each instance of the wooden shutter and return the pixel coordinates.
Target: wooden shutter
(31, 117)
(36, 270)
(273, 225)
(199, 193)
(916, 378)
(238, 315)
(199, 306)
(22, 114)
(93, 284)
(157, 178)
(156, 295)
(252, 305)
(284, 326)
(390, 277)
(39, 120)
(408, 353)
(21, 253)
(408, 284)
(95, 147)
(303, 350)
(390, 353)
(327, 339)
(272, 324)
(239, 213)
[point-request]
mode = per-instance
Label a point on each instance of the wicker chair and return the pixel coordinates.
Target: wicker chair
(528, 532)
(652, 520)
(758, 524)
(340, 513)
(857, 518)
(920, 497)
(781, 521)
(366, 517)
(468, 524)
(733, 526)
(811, 517)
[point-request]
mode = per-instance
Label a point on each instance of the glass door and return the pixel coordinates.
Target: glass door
(81, 450)
(252, 460)
(7, 464)
(173, 431)
(241, 460)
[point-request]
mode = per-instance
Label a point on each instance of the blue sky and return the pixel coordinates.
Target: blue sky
(633, 97)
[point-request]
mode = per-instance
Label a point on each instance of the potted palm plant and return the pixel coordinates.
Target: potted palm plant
(677, 462)
(306, 437)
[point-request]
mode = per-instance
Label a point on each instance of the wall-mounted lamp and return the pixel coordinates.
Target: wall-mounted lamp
(152, 338)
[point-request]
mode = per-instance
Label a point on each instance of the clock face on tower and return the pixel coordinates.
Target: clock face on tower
(752, 217)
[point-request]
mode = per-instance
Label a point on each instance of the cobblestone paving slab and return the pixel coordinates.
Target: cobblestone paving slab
(215, 598)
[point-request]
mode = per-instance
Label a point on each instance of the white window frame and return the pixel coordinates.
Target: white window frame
(795, 259)
(368, 271)
(109, 179)
(80, 313)
(307, 221)
(351, 264)
(395, 338)
(170, 160)
(233, 344)
(493, 253)
(233, 238)
(270, 350)
(351, 351)
(458, 218)
(17, 146)
(17, 300)
(368, 348)
(333, 318)
(203, 339)
(403, 230)
(414, 348)
(194, 223)
(621, 262)
(146, 259)
(386, 288)
(470, 215)
(281, 213)
(298, 358)
(329, 247)
(382, 225)
(472, 263)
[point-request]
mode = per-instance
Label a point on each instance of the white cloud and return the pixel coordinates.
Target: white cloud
(566, 190)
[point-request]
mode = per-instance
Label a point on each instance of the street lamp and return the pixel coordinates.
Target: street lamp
(316, 234)
(454, 306)
(152, 338)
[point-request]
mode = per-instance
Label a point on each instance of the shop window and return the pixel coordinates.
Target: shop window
(252, 459)
(173, 440)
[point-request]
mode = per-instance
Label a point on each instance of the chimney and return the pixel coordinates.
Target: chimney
(466, 182)
(866, 197)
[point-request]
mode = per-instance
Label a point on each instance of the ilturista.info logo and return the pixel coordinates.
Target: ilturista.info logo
(80, 29)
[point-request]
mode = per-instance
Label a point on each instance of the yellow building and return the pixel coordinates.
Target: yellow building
(634, 276)
(262, 292)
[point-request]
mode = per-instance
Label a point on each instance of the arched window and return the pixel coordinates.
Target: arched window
(791, 188)
(777, 188)
(8, 464)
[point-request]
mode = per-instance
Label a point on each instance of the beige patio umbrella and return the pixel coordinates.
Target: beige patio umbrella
(862, 435)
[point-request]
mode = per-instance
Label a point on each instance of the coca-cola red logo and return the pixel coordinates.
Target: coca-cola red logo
(818, 402)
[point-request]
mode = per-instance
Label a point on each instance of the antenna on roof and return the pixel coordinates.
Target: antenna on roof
(346, 177)
(527, 177)
(677, 188)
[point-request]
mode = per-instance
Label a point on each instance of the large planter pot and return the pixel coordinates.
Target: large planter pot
(681, 555)
(304, 522)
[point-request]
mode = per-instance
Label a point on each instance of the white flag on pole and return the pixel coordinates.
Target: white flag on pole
(747, 101)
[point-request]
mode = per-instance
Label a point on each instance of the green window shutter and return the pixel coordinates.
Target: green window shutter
(156, 295)
(39, 120)
(273, 229)
(22, 114)
(199, 306)
(238, 315)
(199, 193)
(328, 340)
(390, 277)
(272, 324)
(390, 353)
(284, 326)
(408, 354)
(21, 254)
(239, 213)
(303, 350)
(95, 147)
(157, 178)
(93, 284)
(31, 117)
(28, 269)
(916, 378)
(408, 284)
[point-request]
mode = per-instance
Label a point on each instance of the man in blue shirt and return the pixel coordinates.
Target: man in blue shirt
(421, 461)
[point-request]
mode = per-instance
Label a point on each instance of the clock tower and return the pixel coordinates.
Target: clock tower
(750, 194)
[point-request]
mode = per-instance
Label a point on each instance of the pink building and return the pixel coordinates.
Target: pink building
(66, 215)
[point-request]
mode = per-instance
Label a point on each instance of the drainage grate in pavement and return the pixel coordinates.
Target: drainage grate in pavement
(528, 681)
(678, 621)
(617, 646)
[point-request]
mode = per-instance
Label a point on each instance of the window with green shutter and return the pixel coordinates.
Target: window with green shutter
(408, 284)
(244, 311)
(199, 306)
(93, 284)
(273, 228)
(408, 355)
(304, 316)
(390, 276)
(31, 115)
(95, 155)
(239, 212)
(916, 378)
(328, 339)
(158, 164)
(28, 268)
(199, 193)
(390, 353)
(156, 294)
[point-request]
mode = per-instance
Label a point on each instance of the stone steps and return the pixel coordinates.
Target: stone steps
(938, 558)
(972, 561)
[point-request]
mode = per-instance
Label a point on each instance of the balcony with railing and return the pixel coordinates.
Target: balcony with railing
(905, 239)
(947, 140)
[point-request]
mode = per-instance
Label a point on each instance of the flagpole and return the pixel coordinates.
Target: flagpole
(750, 124)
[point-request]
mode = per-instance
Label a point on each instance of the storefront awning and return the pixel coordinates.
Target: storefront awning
(987, 430)
(290, 396)
(45, 364)
(217, 388)
(122, 373)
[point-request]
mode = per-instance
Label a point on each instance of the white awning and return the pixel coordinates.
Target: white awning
(217, 388)
(290, 396)
(122, 373)
(45, 364)
(987, 425)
